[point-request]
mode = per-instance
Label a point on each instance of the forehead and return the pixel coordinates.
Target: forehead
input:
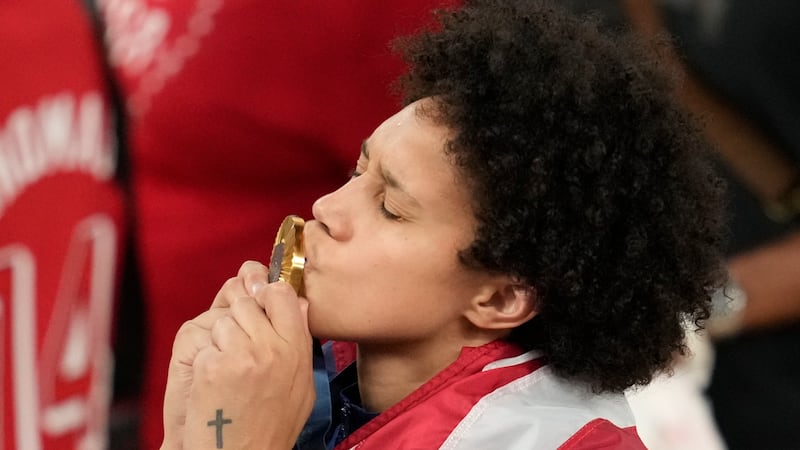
(411, 146)
(412, 126)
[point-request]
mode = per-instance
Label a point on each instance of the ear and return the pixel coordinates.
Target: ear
(503, 304)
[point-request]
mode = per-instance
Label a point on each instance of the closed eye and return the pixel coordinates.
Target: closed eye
(388, 214)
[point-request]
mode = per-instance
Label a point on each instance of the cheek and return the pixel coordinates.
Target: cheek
(389, 301)
(418, 263)
(390, 265)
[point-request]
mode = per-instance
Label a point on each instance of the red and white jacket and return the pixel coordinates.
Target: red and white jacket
(498, 397)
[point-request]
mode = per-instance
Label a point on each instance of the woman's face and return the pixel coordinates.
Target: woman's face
(382, 253)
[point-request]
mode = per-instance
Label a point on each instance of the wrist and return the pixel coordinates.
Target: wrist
(727, 310)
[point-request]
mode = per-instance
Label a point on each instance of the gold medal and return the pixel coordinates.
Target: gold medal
(288, 254)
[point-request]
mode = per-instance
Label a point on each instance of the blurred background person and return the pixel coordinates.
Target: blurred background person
(739, 65)
(745, 55)
(62, 216)
(233, 106)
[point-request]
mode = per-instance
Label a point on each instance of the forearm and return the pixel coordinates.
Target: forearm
(770, 276)
(746, 149)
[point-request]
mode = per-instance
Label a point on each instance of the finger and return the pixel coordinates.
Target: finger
(227, 335)
(195, 334)
(232, 289)
(255, 276)
(207, 318)
(207, 365)
(282, 306)
(191, 338)
(252, 318)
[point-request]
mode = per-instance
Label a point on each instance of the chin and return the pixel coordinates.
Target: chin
(319, 327)
(324, 332)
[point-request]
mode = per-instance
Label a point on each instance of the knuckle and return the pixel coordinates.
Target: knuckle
(241, 301)
(223, 322)
(186, 329)
(241, 304)
(231, 283)
(255, 276)
(247, 364)
(249, 266)
(207, 369)
(267, 354)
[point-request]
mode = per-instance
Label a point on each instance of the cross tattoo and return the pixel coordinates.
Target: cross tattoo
(218, 423)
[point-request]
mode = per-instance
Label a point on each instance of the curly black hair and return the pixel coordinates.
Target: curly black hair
(590, 183)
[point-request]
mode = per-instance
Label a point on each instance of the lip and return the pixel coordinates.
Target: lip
(308, 246)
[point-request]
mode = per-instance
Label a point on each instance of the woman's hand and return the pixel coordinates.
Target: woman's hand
(241, 373)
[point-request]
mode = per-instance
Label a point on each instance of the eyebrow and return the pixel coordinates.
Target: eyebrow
(390, 180)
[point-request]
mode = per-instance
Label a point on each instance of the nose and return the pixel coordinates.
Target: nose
(331, 211)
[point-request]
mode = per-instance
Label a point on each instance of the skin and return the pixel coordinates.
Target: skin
(254, 334)
(382, 270)
(402, 219)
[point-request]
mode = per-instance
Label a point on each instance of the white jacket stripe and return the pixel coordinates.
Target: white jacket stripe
(539, 410)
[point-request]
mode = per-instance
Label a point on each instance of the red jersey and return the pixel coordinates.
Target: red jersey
(60, 227)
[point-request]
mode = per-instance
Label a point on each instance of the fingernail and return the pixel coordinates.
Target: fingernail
(257, 286)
